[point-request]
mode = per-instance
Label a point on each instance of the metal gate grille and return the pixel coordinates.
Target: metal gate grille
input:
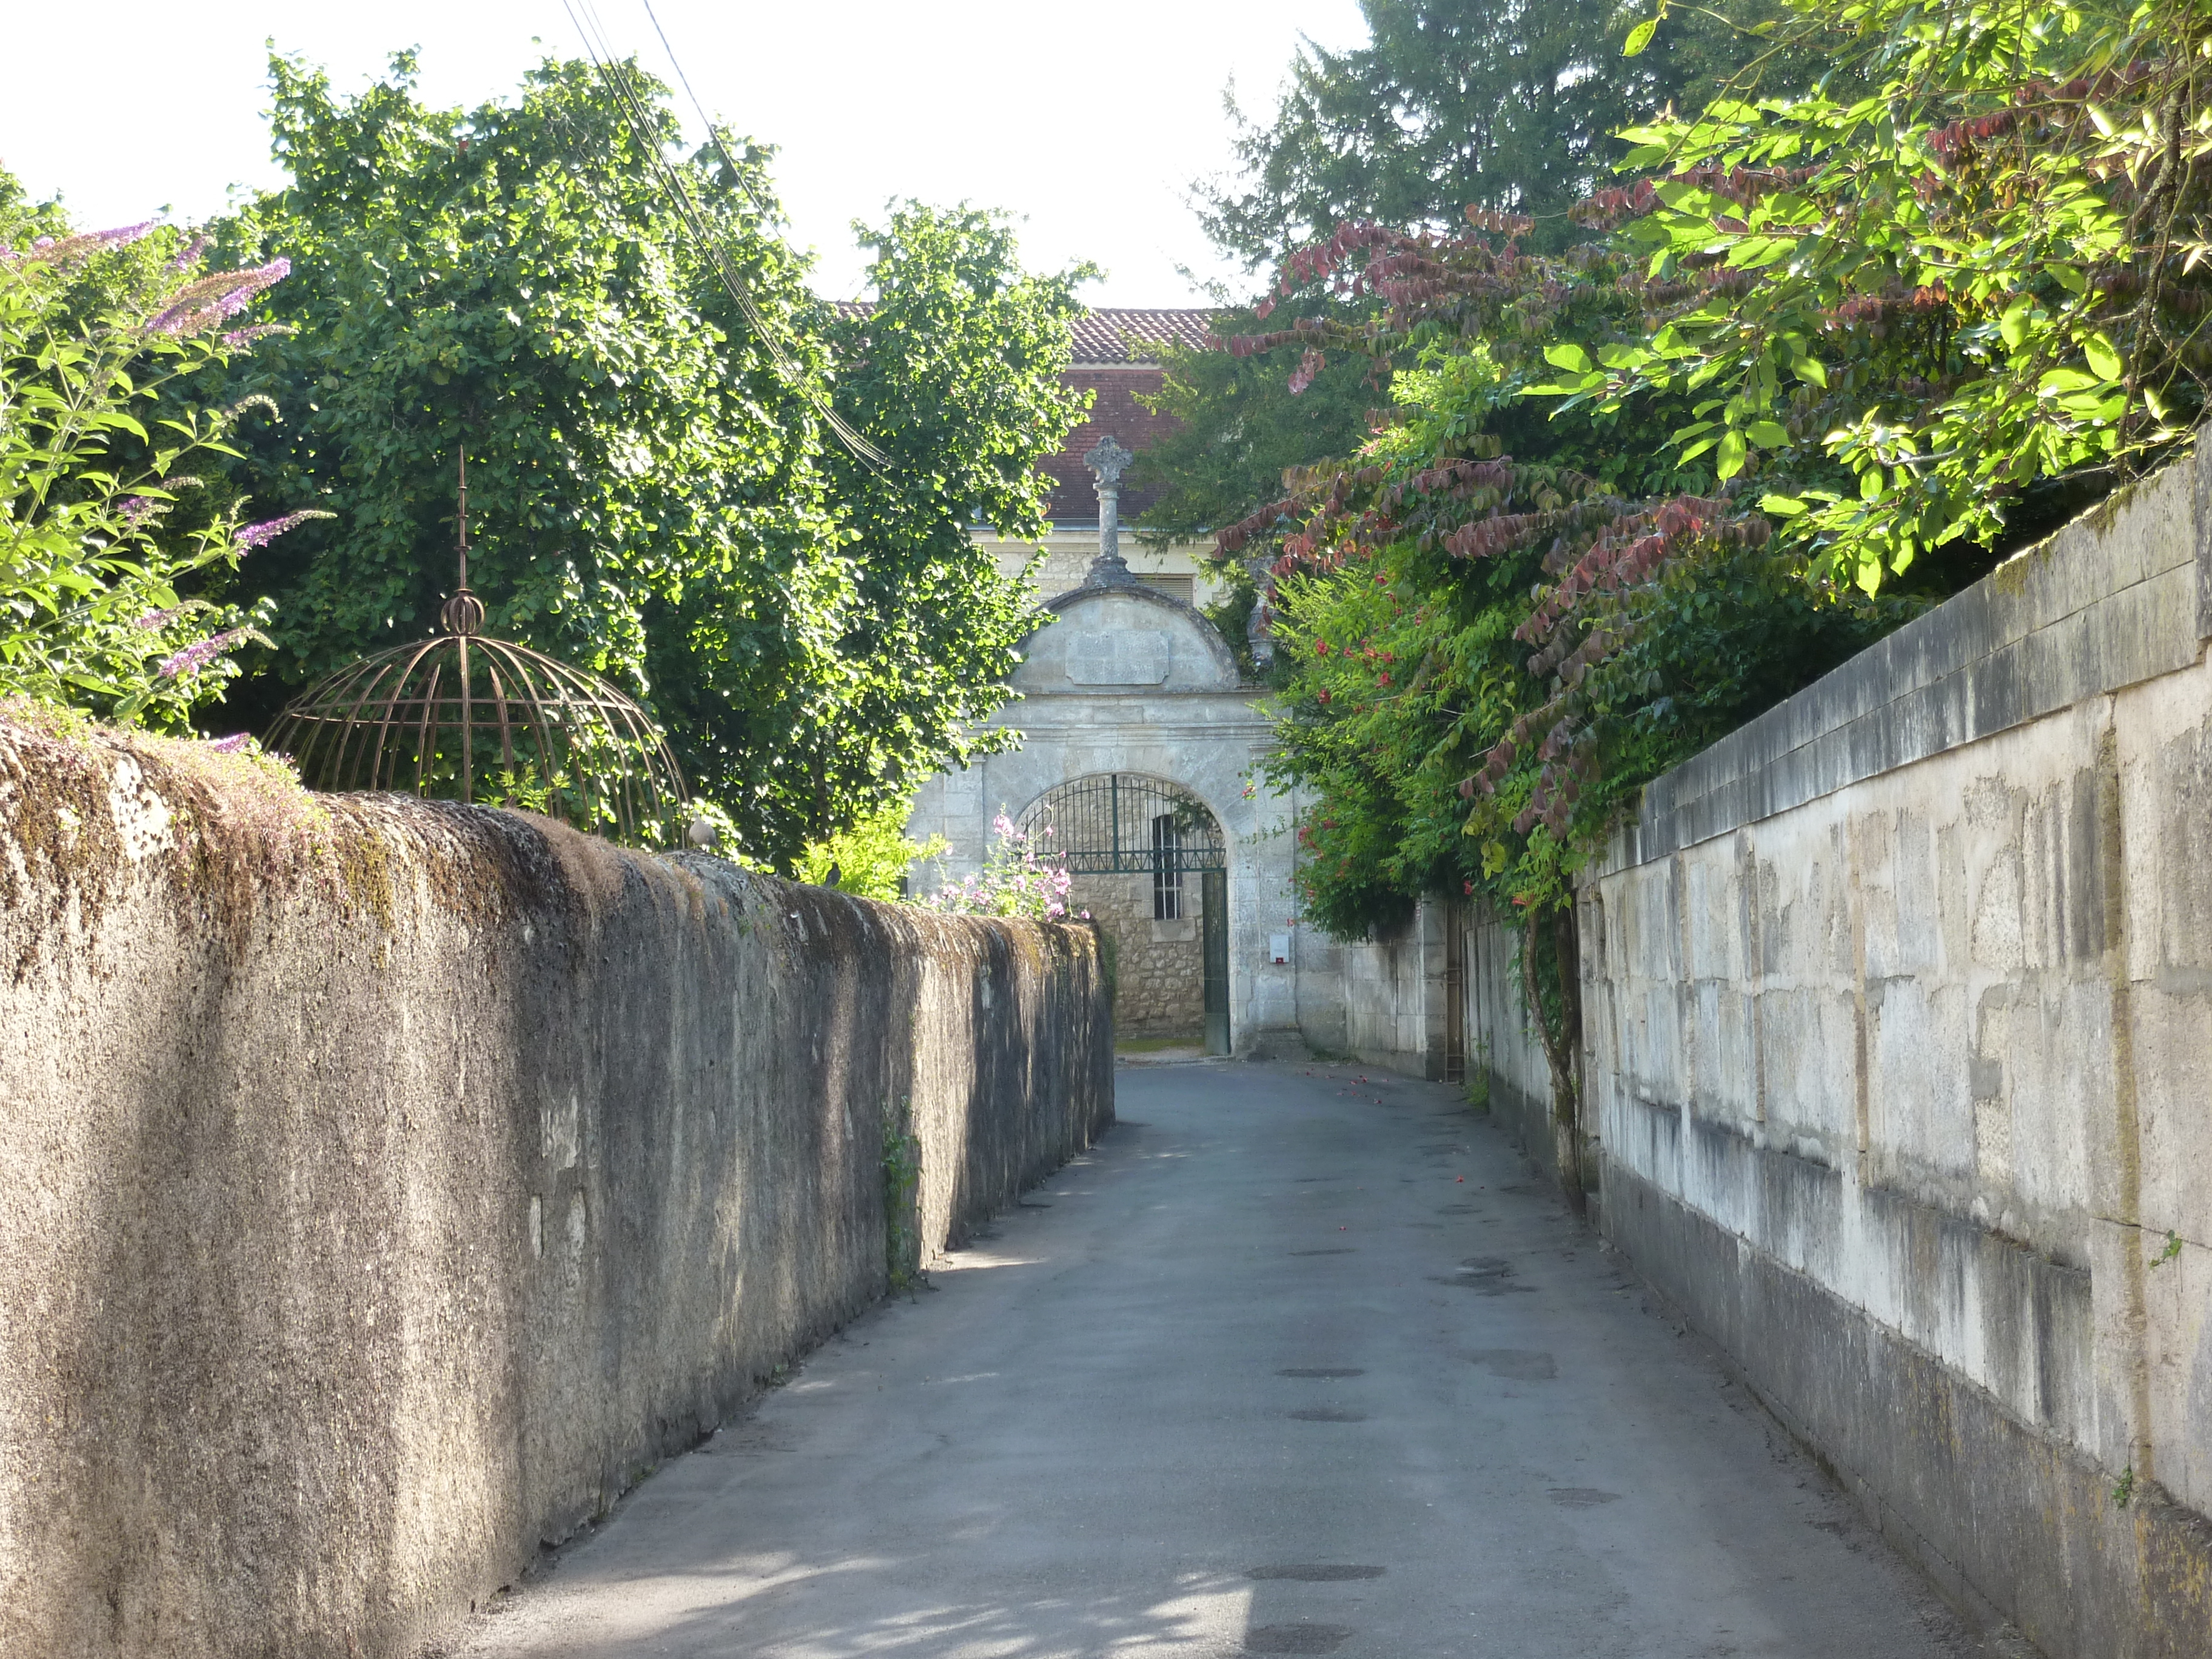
(1215, 911)
(1126, 823)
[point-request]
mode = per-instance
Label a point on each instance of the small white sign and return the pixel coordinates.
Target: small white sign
(1278, 947)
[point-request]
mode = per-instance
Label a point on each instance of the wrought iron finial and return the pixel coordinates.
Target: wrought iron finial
(463, 614)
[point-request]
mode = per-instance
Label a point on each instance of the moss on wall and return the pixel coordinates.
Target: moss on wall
(393, 1181)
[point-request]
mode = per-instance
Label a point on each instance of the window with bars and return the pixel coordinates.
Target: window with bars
(1167, 868)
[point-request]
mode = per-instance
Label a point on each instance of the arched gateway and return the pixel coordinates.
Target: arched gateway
(1147, 861)
(1130, 688)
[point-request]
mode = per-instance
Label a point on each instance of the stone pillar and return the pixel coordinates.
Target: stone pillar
(1107, 460)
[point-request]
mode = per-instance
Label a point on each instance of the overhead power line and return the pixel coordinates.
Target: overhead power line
(638, 117)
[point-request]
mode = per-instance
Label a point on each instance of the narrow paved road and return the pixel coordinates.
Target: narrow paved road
(1291, 1364)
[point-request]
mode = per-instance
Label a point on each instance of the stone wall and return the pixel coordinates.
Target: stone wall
(1160, 967)
(1898, 1030)
(1896, 1058)
(1393, 991)
(1506, 1068)
(391, 1184)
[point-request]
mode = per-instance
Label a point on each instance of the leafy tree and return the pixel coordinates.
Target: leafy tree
(97, 565)
(630, 356)
(1450, 104)
(871, 858)
(1453, 104)
(955, 372)
(1239, 424)
(1641, 490)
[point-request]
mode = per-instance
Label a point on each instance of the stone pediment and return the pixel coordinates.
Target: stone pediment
(1124, 638)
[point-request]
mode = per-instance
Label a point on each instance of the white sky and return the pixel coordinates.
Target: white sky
(1088, 120)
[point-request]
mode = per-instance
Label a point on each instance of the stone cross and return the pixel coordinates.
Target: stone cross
(1107, 460)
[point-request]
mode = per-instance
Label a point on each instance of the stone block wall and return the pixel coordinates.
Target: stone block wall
(391, 1184)
(1160, 967)
(1506, 1066)
(1386, 985)
(1898, 1034)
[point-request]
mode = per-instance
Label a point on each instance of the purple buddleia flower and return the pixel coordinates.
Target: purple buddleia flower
(154, 619)
(260, 534)
(231, 745)
(203, 303)
(246, 336)
(190, 254)
(51, 250)
(193, 657)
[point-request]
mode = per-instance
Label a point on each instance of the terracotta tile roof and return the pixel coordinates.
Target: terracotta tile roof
(1114, 361)
(1113, 335)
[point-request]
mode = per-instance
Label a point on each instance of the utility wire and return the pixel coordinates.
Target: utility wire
(638, 117)
(714, 130)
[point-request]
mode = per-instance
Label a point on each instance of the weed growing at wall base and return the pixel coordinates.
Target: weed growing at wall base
(902, 1197)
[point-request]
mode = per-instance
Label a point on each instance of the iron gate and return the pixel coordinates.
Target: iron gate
(1125, 823)
(1214, 922)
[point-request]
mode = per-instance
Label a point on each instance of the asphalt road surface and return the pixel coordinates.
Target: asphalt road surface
(1299, 1360)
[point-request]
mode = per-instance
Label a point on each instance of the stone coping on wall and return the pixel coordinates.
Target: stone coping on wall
(2120, 595)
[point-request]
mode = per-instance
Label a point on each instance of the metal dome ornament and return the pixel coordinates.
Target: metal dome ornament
(462, 717)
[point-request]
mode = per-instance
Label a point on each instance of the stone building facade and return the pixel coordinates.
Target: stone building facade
(1159, 963)
(1131, 682)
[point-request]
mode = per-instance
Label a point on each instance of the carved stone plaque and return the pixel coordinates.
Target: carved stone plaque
(1118, 657)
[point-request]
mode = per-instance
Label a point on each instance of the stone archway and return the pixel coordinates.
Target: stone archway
(1148, 860)
(1129, 681)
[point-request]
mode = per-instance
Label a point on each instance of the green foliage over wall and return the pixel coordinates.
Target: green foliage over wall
(107, 534)
(871, 858)
(1827, 359)
(653, 491)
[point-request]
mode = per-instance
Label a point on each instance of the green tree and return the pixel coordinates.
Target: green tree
(1240, 423)
(1449, 105)
(955, 372)
(870, 858)
(1640, 491)
(1452, 104)
(628, 353)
